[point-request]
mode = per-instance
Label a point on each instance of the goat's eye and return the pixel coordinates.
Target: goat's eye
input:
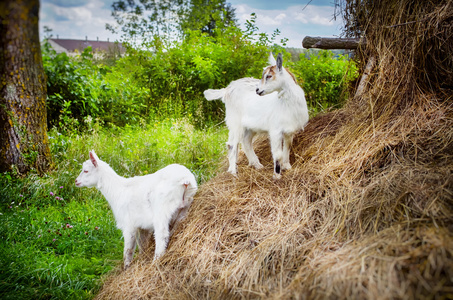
(268, 77)
(85, 171)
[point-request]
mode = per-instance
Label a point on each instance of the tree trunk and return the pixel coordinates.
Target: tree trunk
(23, 129)
(330, 43)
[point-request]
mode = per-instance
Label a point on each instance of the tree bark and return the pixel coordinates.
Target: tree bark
(23, 128)
(330, 43)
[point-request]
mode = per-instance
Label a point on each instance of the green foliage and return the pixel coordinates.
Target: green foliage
(58, 241)
(69, 85)
(324, 78)
(52, 245)
(262, 38)
(170, 81)
(144, 84)
(78, 88)
(208, 15)
(144, 20)
(144, 148)
(160, 79)
(177, 73)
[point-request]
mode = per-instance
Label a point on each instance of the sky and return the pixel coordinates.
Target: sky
(78, 19)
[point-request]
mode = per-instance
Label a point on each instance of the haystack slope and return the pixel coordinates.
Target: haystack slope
(369, 223)
(365, 212)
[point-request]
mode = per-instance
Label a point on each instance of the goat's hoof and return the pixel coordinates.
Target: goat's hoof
(257, 165)
(277, 176)
(286, 166)
(234, 173)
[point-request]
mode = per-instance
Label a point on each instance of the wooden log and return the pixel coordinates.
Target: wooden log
(331, 43)
(365, 77)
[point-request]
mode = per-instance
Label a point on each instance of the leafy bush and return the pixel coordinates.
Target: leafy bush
(78, 88)
(163, 79)
(324, 78)
(69, 87)
(177, 73)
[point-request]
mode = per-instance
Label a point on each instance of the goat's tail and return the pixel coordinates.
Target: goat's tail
(212, 94)
(190, 188)
(189, 185)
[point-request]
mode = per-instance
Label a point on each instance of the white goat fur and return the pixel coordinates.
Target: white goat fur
(275, 104)
(142, 204)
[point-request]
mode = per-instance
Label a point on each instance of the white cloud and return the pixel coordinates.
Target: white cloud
(320, 15)
(76, 15)
(241, 9)
(321, 21)
(280, 17)
(77, 22)
(294, 22)
(88, 18)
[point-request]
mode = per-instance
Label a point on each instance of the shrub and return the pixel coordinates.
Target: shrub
(162, 79)
(177, 73)
(324, 78)
(70, 86)
(78, 88)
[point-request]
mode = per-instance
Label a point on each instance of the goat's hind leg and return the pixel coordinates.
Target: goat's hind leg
(129, 246)
(248, 149)
(161, 236)
(287, 143)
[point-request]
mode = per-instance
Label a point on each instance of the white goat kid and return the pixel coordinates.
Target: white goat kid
(142, 204)
(275, 104)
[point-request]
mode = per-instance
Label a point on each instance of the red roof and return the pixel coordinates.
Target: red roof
(80, 45)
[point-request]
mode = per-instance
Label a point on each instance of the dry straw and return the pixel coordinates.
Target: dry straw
(366, 210)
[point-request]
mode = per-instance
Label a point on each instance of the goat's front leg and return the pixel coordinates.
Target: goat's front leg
(129, 246)
(248, 149)
(277, 142)
(161, 236)
(287, 143)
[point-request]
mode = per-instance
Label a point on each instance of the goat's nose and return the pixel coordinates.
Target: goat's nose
(257, 90)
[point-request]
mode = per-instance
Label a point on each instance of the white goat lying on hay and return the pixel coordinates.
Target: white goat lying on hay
(275, 104)
(142, 203)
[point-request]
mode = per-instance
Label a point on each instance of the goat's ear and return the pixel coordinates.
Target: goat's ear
(271, 59)
(280, 62)
(94, 158)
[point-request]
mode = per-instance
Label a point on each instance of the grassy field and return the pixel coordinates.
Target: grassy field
(59, 241)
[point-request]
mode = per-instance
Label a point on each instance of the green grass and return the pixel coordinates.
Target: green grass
(59, 241)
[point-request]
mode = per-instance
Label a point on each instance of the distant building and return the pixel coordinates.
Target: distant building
(74, 47)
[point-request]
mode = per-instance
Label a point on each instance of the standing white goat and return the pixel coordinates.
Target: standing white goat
(275, 104)
(142, 203)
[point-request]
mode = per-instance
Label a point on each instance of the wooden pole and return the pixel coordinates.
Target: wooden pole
(331, 43)
(365, 77)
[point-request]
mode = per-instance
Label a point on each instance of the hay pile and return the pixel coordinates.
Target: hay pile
(365, 212)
